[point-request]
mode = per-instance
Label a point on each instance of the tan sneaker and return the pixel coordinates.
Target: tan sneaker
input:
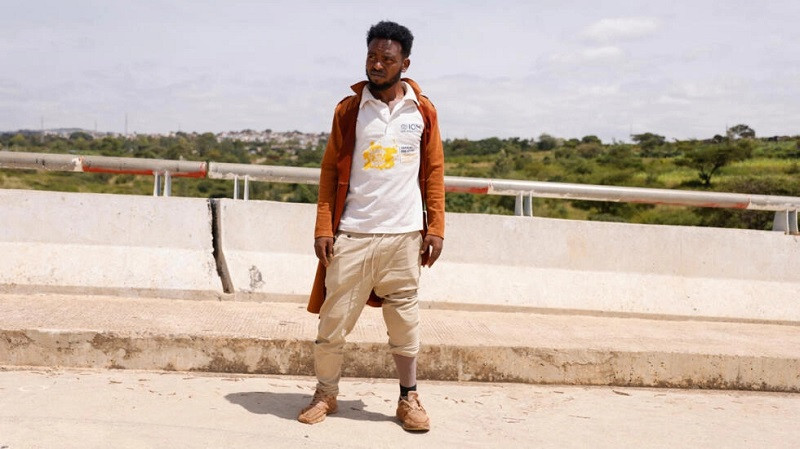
(411, 413)
(321, 405)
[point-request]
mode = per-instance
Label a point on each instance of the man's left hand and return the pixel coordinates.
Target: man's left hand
(434, 244)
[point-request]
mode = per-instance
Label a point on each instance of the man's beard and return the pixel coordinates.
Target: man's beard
(381, 87)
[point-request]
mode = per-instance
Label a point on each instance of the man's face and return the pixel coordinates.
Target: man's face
(385, 63)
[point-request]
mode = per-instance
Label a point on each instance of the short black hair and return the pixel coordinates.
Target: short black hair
(394, 31)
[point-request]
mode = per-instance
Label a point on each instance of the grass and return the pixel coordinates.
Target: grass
(760, 166)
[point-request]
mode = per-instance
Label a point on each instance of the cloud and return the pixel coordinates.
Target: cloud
(668, 99)
(610, 108)
(599, 90)
(713, 89)
(622, 28)
(608, 53)
(602, 53)
(10, 89)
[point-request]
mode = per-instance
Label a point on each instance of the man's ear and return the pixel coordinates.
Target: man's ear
(406, 63)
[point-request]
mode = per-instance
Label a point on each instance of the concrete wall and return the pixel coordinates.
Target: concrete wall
(492, 260)
(267, 248)
(93, 243)
(615, 267)
(163, 246)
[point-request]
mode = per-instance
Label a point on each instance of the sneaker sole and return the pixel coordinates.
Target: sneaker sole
(420, 428)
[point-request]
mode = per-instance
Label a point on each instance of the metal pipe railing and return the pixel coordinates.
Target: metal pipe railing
(566, 191)
(266, 173)
(141, 166)
(158, 168)
(785, 207)
(40, 161)
(589, 192)
(101, 164)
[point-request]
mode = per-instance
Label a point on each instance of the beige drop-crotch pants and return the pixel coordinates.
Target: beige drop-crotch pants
(387, 263)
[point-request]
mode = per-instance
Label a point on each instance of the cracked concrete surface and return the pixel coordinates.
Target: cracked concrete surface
(277, 338)
(88, 409)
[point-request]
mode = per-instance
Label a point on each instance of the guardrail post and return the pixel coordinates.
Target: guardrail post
(785, 221)
(527, 206)
(781, 221)
(156, 184)
(167, 184)
(523, 205)
(246, 187)
(236, 187)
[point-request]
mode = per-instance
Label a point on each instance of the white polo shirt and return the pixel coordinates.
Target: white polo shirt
(384, 195)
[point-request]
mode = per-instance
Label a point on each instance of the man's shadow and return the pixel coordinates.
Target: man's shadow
(288, 405)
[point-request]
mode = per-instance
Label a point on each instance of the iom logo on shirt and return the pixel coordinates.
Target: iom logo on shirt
(379, 157)
(410, 127)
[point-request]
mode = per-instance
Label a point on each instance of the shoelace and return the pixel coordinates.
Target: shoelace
(414, 404)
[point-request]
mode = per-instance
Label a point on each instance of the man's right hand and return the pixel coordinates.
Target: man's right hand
(323, 246)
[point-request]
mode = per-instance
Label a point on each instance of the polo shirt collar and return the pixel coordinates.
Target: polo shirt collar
(366, 95)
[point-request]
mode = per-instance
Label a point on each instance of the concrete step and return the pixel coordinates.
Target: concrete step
(467, 345)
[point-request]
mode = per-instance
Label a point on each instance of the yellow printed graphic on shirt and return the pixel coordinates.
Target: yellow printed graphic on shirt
(379, 156)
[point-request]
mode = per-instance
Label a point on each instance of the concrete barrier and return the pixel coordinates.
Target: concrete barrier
(68, 242)
(96, 243)
(266, 248)
(615, 267)
(492, 261)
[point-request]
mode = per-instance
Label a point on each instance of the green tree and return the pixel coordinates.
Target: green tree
(591, 139)
(709, 159)
(18, 141)
(80, 135)
(502, 165)
(648, 141)
(741, 131)
(546, 142)
(205, 143)
(621, 157)
(108, 146)
(589, 150)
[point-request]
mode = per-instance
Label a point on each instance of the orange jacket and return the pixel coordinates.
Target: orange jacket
(334, 179)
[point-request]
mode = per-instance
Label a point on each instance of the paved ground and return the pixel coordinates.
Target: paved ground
(123, 409)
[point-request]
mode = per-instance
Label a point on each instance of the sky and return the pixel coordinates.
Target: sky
(682, 69)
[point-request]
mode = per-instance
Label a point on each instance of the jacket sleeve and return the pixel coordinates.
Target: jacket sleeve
(328, 180)
(434, 182)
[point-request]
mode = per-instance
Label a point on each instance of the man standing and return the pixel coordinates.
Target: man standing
(380, 217)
